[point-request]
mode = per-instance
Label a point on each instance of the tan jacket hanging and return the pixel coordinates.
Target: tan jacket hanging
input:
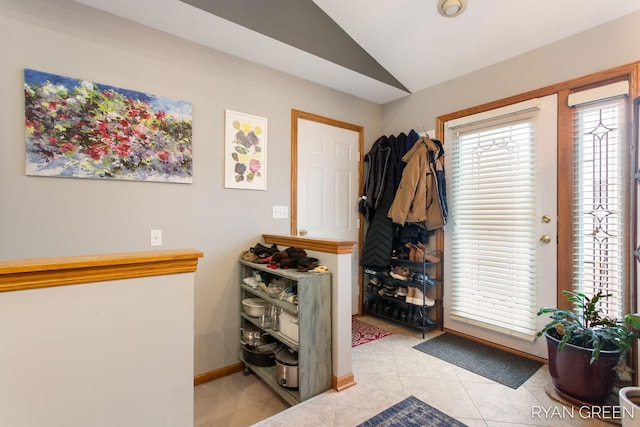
(417, 199)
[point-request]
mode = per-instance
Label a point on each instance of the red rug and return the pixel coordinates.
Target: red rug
(362, 332)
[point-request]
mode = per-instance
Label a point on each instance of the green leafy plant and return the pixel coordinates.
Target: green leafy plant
(586, 325)
(632, 320)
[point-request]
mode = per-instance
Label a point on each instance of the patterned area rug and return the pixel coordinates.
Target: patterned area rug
(412, 412)
(362, 332)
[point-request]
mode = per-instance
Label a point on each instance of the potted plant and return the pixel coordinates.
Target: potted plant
(629, 396)
(584, 347)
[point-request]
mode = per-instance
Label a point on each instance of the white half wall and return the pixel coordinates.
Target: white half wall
(114, 353)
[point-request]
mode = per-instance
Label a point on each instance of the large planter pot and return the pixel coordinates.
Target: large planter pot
(630, 404)
(574, 376)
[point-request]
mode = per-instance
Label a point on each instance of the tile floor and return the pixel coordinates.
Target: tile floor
(386, 371)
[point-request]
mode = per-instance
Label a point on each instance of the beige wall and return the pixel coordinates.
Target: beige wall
(606, 46)
(54, 216)
(136, 372)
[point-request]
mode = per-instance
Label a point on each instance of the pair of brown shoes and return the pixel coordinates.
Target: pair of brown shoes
(419, 253)
(400, 273)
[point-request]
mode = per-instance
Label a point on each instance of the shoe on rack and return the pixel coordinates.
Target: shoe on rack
(431, 256)
(400, 273)
(425, 322)
(421, 279)
(400, 252)
(385, 293)
(419, 298)
(412, 251)
(420, 319)
(411, 292)
(420, 250)
(371, 287)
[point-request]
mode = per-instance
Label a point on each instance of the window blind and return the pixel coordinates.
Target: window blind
(599, 260)
(492, 192)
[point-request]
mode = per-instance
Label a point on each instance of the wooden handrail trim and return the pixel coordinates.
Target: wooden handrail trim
(313, 244)
(35, 273)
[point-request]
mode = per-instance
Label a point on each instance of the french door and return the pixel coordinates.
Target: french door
(500, 240)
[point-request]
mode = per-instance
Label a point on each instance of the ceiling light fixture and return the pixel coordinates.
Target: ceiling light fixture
(451, 8)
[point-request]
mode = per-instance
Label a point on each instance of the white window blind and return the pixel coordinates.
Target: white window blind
(599, 260)
(492, 195)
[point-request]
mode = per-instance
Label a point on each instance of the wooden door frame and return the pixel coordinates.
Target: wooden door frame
(293, 225)
(630, 72)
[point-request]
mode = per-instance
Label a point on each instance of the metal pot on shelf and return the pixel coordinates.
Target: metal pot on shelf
(259, 356)
(287, 368)
(252, 336)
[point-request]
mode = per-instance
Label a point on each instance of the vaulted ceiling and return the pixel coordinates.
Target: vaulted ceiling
(379, 50)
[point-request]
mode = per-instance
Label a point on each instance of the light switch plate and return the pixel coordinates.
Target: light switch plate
(155, 237)
(281, 212)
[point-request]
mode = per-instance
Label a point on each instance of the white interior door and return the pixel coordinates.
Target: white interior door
(546, 252)
(327, 187)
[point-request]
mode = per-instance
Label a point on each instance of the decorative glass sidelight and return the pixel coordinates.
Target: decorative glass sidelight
(600, 190)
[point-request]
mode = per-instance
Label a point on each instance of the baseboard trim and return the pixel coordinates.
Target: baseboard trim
(343, 383)
(218, 373)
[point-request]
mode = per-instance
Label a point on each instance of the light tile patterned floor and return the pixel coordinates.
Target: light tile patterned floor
(386, 371)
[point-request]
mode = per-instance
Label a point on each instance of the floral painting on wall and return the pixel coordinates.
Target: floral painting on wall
(245, 151)
(76, 128)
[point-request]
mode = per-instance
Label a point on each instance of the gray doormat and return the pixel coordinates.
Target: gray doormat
(498, 365)
(411, 412)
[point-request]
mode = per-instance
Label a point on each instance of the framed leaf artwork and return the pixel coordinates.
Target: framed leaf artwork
(245, 151)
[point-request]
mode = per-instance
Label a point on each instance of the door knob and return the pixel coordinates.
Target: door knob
(545, 238)
(303, 232)
(546, 219)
